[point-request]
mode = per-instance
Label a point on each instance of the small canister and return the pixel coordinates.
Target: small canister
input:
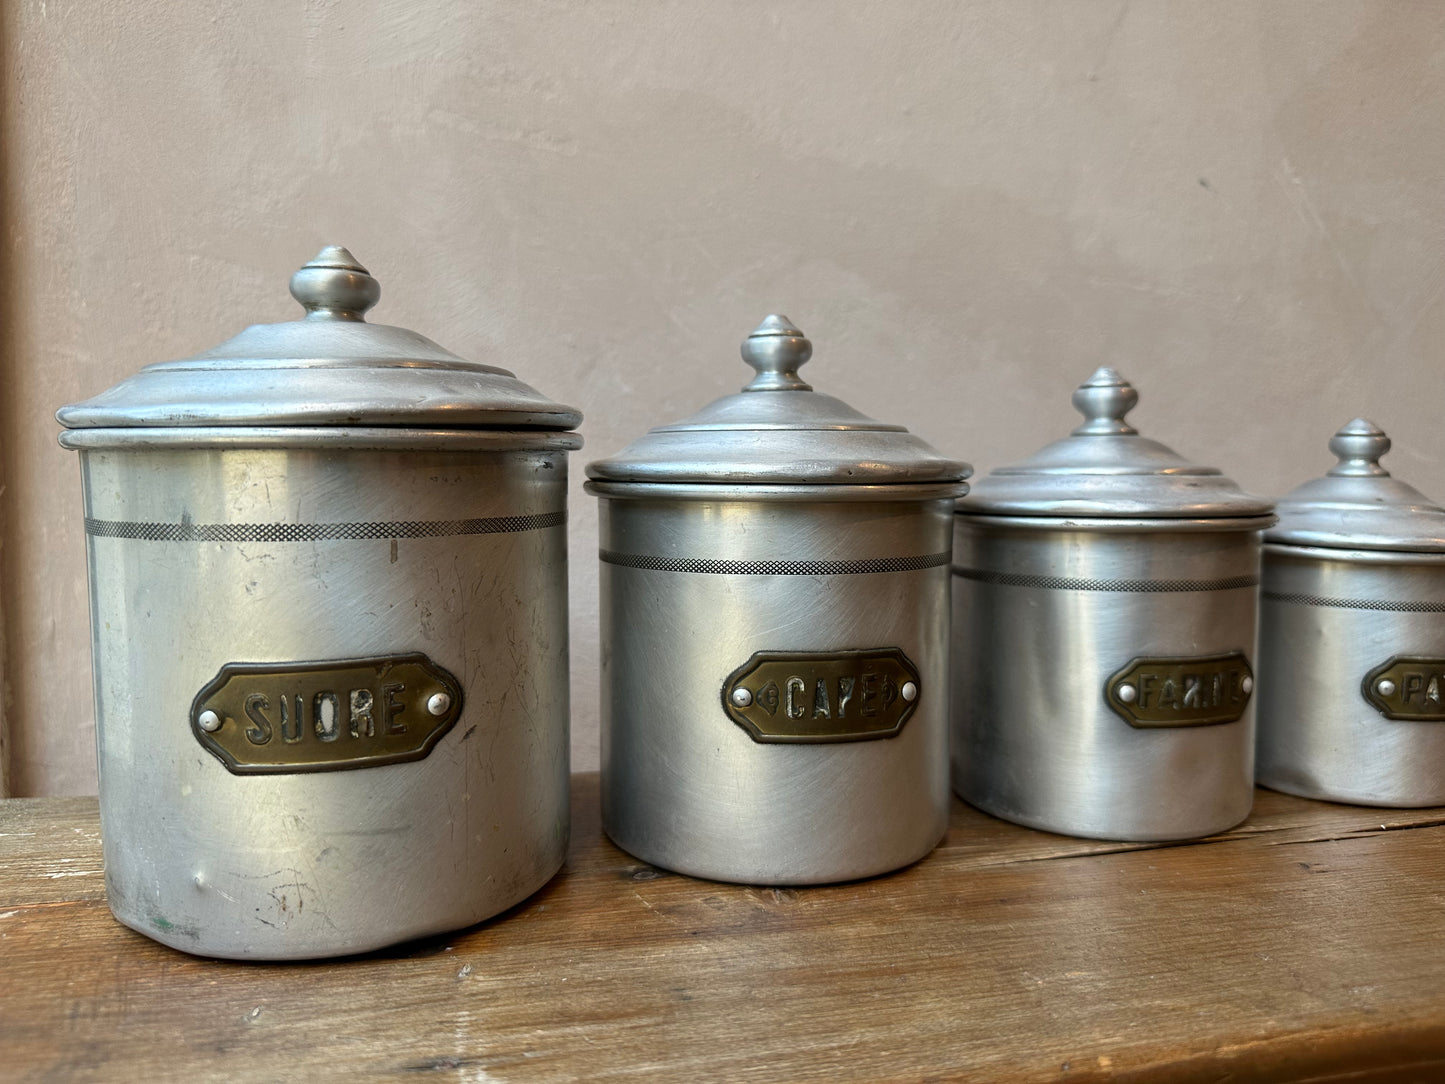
(329, 620)
(774, 610)
(1104, 625)
(1352, 636)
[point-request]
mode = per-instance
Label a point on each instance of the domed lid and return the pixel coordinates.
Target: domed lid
(1357, 505)
(779, 430)
(1105, 469)
(329, 368)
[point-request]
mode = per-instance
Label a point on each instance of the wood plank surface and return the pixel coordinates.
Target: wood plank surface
(1308, 944)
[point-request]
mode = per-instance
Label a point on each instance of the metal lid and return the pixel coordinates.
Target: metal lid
(330, 368)
(1357, 505)
(1105, 469)
(779, 430)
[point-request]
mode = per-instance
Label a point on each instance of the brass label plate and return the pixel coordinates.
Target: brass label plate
(1410, 688)
(799, 697)
(1198, 690)
(274, 718)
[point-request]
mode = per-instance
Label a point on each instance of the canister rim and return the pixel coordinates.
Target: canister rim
(735, 491)
(1106, 524)
(1358, 552)
(380, 438)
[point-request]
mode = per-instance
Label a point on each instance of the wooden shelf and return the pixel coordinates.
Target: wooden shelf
(1308, 944)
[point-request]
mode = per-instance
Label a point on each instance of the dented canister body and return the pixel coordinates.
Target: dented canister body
(1104, 631)
(1352, 640)
(328, 599)
(774, 614)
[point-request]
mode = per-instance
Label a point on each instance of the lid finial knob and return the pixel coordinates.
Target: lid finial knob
(334, 286)
(1359, 446)
(1103, 400)
(776, 350)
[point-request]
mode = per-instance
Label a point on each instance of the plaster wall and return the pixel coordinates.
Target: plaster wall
(967, 205)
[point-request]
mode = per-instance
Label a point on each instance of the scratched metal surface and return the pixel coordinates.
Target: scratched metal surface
(1302, 945)
(304, 865)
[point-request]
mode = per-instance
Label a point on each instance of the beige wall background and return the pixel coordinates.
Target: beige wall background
(968, 206)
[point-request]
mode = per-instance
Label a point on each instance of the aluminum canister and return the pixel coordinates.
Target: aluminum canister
(328, 601)
(1352, 637)
(774, 610)
(1105, 622)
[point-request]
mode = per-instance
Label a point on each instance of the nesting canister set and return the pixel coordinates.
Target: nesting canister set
(328, 569)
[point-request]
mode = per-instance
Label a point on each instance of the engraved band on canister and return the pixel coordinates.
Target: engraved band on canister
(320, 532)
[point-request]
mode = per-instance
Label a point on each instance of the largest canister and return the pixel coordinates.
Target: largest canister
(1105, 623)
(774, 612)
(328, 601)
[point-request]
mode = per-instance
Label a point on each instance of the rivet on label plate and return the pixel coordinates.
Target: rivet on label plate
(438, 703)
(1247, 683)
(909, 691)
(742, 697)
(1127, 693)
(1385, 687)
(209, 721)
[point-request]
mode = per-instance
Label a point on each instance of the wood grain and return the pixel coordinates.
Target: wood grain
(1305, 945)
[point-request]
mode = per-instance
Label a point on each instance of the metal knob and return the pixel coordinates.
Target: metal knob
(776, 350)
(1359, 447)
(334, 286)
(1103, 400)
